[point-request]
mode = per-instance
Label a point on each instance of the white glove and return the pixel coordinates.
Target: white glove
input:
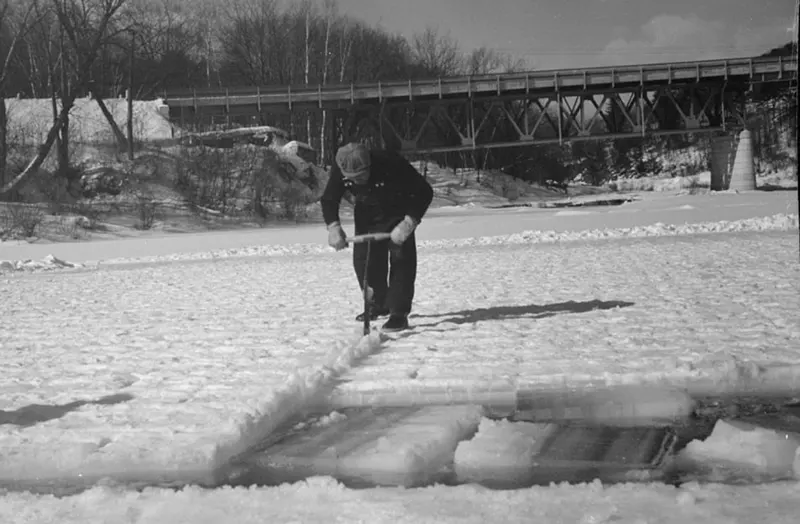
(403, 230)
(336, 237)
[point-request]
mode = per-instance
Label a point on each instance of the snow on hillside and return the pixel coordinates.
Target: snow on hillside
(687, 168)
(29, 120)
(457, 187)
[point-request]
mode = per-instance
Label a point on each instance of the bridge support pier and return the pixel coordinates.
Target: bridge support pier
(743, 175)
(732, 166)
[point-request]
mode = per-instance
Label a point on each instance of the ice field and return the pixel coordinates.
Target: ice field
(161, 358)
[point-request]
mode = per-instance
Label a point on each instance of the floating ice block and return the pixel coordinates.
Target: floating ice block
(385, 446)
(414, 451)
(745, 446)
(516, 454)
(501, 452)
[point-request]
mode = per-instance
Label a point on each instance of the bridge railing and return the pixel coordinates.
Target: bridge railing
(749, 70)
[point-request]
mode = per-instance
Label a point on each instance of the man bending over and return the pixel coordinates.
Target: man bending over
(390, 197)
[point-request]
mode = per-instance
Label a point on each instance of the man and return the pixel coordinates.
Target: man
(390, 197)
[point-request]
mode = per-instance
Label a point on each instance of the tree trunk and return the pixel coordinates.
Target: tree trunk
(10, 54)
(208, 59)
(41, 154)
(308, 66)
(34, 74)
(54, 101)
(63, 145)
(129, 95)
(3, 140)
(122, 141)
(326, 63)
(51, 78)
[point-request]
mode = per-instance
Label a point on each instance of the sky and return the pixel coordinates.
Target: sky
(584, 33)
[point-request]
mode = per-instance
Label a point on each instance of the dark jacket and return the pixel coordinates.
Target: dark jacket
(395, 189)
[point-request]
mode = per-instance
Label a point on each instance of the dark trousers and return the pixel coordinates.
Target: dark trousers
(391, 273)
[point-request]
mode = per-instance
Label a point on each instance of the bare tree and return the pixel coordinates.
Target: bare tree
(205, 21)
(31, 59)
(308, 11)
(346, 38)
(86, 24)
(167, 40)
(484, 61)
(330, 9)
(14, 24)
(437, 54)
(254, 43)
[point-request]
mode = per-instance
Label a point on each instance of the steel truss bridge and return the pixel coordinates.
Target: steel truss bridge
(504, 110)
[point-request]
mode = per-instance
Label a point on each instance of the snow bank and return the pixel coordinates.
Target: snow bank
(323, 500)
(48, 263)
(779, 222)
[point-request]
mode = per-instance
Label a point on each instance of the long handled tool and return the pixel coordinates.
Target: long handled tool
(369, 239)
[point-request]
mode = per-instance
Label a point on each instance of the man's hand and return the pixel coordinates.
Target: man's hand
(336, 237)
(403, 230)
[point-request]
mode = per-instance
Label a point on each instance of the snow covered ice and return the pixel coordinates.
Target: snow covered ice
(216, 353)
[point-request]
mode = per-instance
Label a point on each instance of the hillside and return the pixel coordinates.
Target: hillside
(181, 182)
(29, 119)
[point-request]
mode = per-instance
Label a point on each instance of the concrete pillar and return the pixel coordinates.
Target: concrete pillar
(732, 165)
(743, 173)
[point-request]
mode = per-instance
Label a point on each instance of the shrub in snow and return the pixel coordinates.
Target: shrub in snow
(20, 220)
(247, 178)
(103, 181)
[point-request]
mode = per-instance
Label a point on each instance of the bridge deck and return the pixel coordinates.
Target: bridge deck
(566, 81)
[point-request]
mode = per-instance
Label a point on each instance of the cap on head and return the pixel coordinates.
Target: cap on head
(353, 159)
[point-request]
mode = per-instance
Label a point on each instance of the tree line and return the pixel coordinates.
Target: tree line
(66, 49)
(195, 43)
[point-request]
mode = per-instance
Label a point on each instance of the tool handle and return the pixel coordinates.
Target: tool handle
(369, 237)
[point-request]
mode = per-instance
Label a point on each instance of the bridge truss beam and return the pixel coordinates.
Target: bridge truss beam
(506, 110)
(511, 121)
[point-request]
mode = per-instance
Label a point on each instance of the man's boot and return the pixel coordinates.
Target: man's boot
(396, 323)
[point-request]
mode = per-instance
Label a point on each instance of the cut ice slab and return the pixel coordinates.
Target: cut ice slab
(506, 454)
(611, 406)
(742, 449)
(385, 447)
(617, 406)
